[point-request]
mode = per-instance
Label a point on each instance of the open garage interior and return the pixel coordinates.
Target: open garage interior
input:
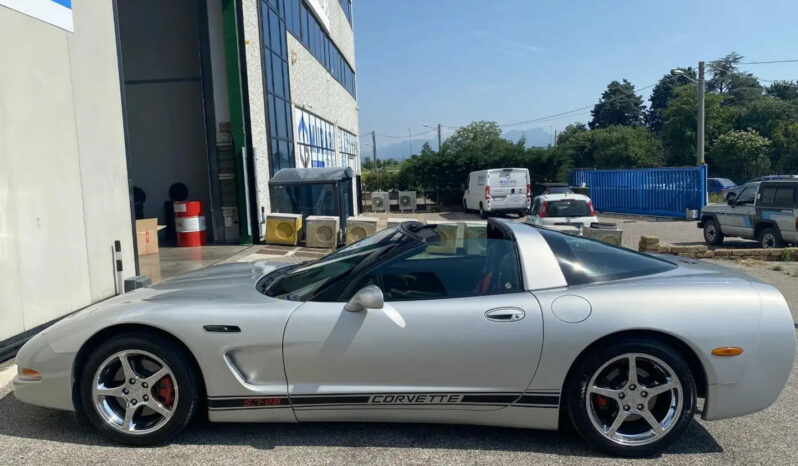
(177, 114)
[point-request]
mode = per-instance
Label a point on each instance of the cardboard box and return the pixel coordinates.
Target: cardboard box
(147, 236)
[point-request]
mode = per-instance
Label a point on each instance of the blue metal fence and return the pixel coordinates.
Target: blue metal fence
(665, 192)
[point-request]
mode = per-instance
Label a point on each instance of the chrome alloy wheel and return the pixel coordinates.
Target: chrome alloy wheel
(634, 399)
(135, 392)
(710, 232)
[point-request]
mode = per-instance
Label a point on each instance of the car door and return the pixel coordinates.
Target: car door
(738, 220)
(456, 333)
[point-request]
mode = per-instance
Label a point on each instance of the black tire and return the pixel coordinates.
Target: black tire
(182, 369)
(482, 213)
(576, 395)
(770, 238)
(712, 233)
(465, 206)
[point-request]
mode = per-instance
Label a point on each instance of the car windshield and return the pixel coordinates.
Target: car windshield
(301, 282)
(725, 181)
(567, 208)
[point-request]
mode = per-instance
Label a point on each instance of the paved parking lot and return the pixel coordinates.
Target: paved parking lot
(31, 435)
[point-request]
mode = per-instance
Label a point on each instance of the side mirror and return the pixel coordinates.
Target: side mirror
(369, 297)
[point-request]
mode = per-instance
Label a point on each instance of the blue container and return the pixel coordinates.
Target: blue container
(663, 192)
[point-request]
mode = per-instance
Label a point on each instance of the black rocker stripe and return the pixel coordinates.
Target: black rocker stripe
(539, 399)
(530, 399)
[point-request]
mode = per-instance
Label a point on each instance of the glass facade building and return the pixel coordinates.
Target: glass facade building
(316, 137)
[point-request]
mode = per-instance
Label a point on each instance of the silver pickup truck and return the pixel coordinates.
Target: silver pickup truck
(766, 212)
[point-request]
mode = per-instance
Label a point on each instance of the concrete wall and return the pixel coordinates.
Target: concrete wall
(257, 110)
(165, 111)
(63, 176)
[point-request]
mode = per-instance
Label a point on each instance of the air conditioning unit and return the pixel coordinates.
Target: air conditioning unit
(451, 234)
(358, 228)
(283, 229)
(392, 222)
(407, 201)
(606, 232)
(379, 202)
(475, 238)
(321, 232)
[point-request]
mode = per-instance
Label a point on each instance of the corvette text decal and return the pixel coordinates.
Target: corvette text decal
(549, 399)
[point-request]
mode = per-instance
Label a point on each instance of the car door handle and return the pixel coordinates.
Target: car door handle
(505, 314)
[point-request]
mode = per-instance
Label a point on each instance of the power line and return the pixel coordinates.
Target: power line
(769, 62)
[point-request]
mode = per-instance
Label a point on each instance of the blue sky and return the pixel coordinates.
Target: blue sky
(454, 61)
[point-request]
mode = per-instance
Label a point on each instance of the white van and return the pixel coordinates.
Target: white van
(500, 190)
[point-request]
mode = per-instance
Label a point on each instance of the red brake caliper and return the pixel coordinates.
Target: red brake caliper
(601, 401)
(166, 391)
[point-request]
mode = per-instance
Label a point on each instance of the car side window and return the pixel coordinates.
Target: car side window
(747, 196)
(785, 197)
(457, 267)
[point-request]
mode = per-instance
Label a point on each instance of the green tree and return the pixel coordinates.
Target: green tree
(784, 90)
(765, 114)
(679, 125)
(785, 146)
(570, 130)
(662, 93)
(619, 105)
(739, 87)
(744, 151)
(626, 147)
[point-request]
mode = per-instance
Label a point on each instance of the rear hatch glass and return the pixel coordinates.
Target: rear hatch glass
(567, 208)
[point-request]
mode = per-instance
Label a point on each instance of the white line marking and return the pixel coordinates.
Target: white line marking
(7, 374)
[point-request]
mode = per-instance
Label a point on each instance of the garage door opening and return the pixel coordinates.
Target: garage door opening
(183, 143)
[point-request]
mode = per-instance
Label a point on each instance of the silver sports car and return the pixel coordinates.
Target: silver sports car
(506, 325)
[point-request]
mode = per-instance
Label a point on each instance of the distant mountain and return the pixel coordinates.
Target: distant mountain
(535, 137)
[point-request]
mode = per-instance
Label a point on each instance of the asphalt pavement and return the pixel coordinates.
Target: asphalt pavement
(30, 435)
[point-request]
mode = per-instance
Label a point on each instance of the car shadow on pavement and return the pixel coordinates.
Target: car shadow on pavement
(28, 422)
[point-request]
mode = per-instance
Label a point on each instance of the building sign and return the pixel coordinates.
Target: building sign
(347, 148)
(315, 141)
(56, 12)
(322, 10)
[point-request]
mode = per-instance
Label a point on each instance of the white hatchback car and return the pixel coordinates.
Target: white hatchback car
(562, 209)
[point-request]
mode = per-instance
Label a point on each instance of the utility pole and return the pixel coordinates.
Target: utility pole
(700, 142)
(374, 148)
(439, 137)
(409, 133)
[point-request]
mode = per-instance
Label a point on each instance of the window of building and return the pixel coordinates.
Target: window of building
(346, 5)
(347, 148)
(305, 27)
(315, 140)
(278, 89)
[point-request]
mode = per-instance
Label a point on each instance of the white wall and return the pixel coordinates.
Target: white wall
(63, 176)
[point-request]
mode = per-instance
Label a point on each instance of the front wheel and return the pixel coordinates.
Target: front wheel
(712, 233)
(633, 398)
(139, 389)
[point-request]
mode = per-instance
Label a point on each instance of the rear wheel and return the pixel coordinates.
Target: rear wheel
(139, 389)
(465, 206)
(712, 232)
(482, 213)
(631, 399)
(770, 238)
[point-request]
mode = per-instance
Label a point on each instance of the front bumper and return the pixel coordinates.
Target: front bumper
(54, 390)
